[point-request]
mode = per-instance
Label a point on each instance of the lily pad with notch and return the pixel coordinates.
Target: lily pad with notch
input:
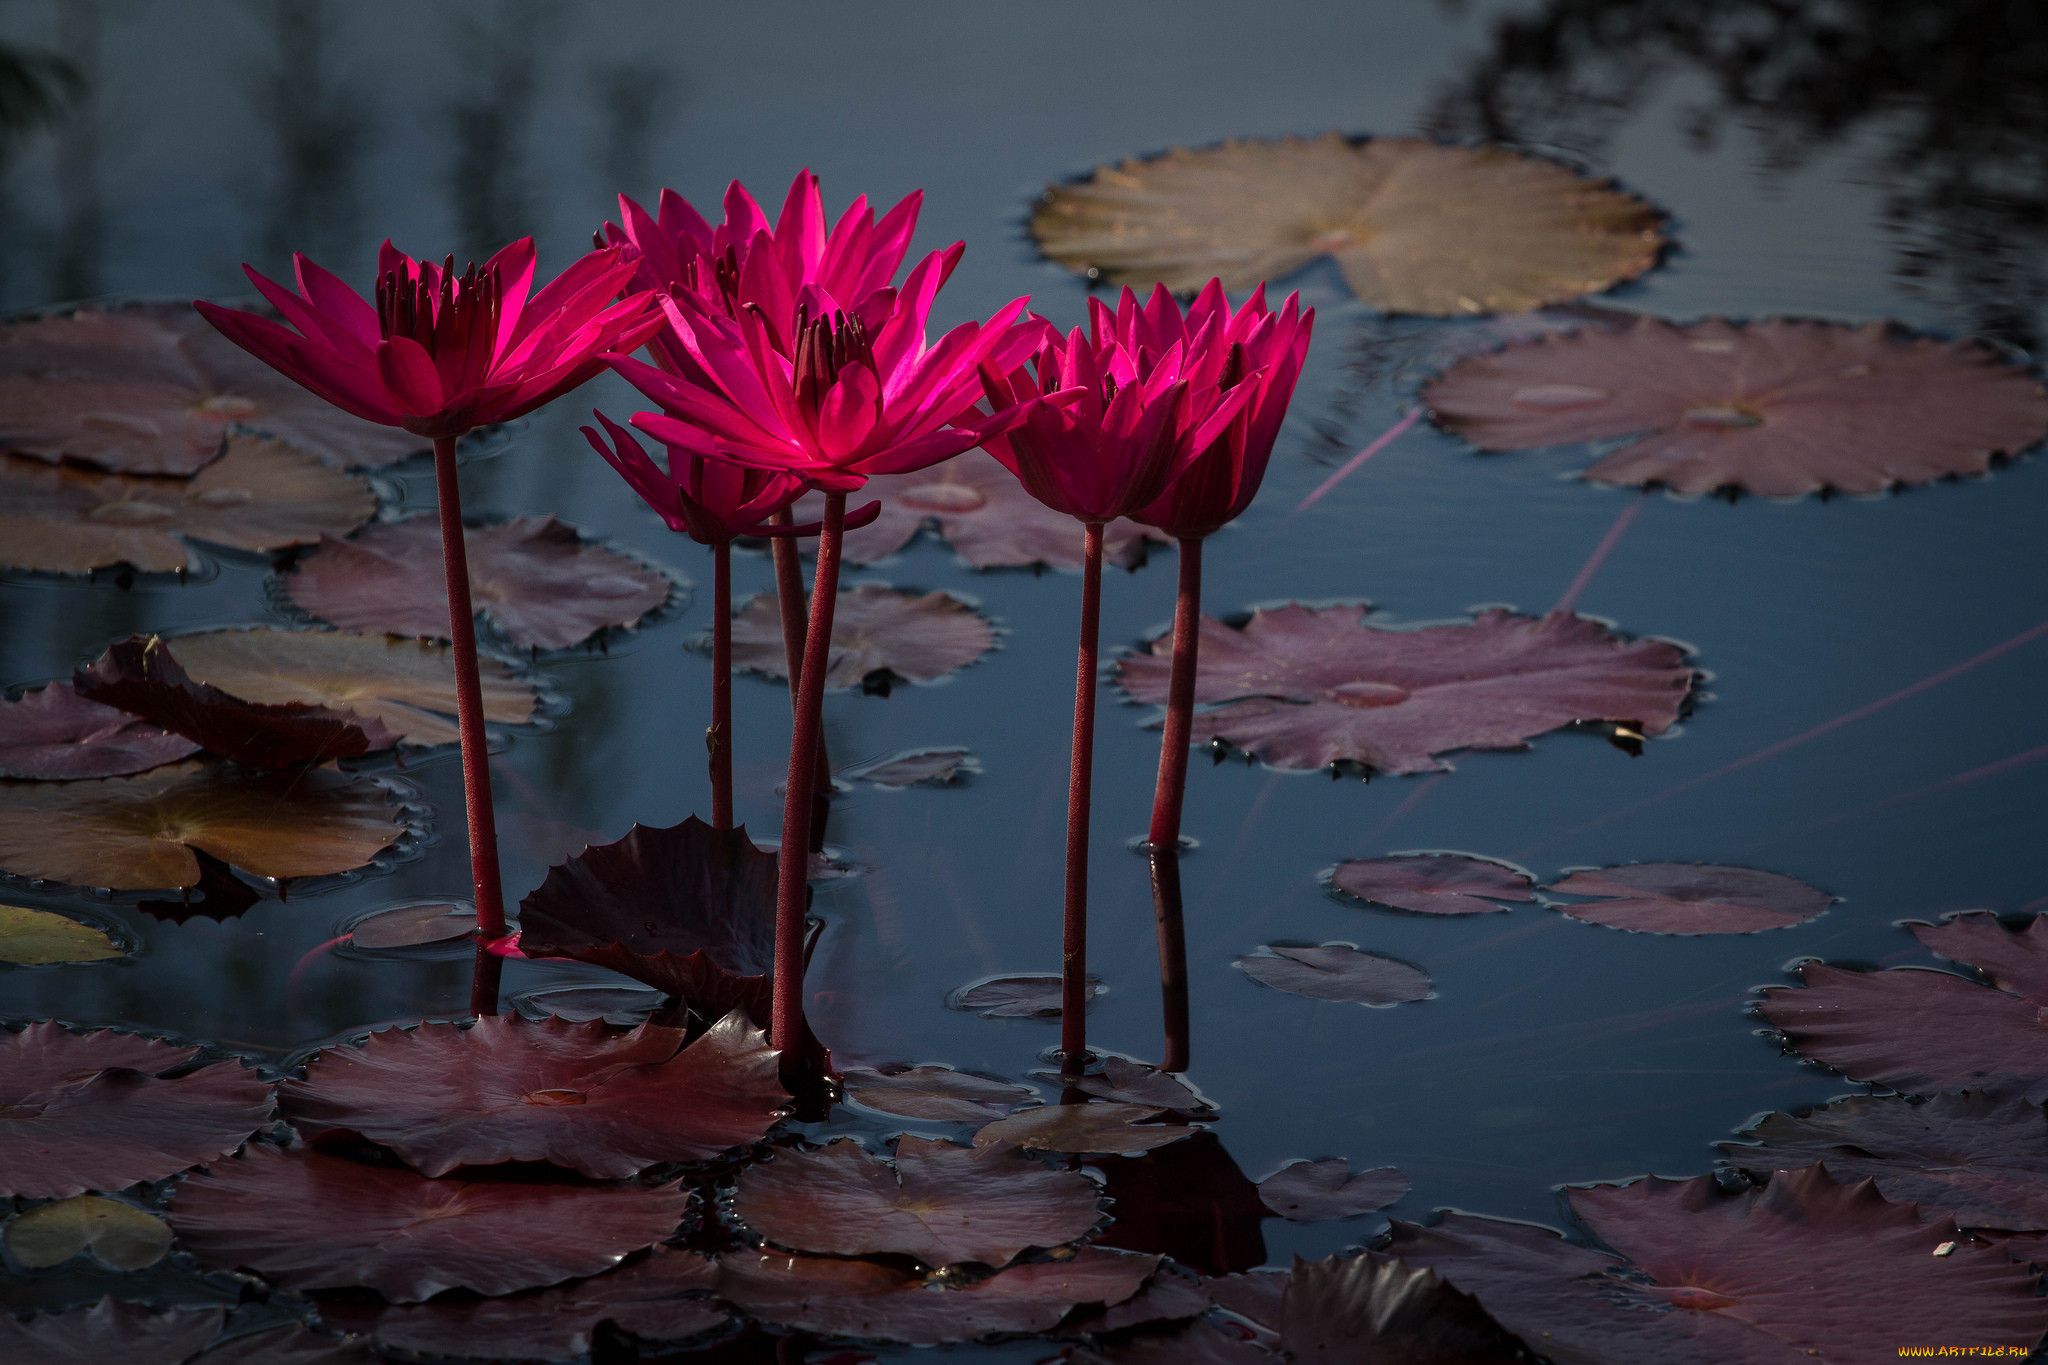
(53, 734)
(1336, 971)
(110, 1332)
(1026, 995)
(42, 938)
(1319, 1191)
(1093, 1127)
(879, 635)
(936, 1093)
(1434, 883)
(1690, 898)
(119, 1235)
(412, 924)
(937, 766)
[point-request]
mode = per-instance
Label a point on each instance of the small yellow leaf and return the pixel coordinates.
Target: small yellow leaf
(38, 938)
(121, 1235)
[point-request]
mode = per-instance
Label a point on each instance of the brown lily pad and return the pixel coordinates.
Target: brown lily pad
(1106, 1128)
(1319, 1191)
(118, 1235)
(1304, 687)
(876, 630)
(937, 1093)
(139, 833)
(289, 1344)
(938, 766)
(260, 495)
(408, 686)
(307, 1220)
(94, 1111)
(1781, 407)
(1690, 898)
(1200, 1342)
(1416, 226)
(1027, 995)
(2014, 959)
(109, 1333)
(1372, 1308)
(507, 1088)
(540, 583)
(937, 1203)
(1336, 971)
(1122, 1081)
(40, 938)
(1433, 883)
(56, 735)
(412, 925)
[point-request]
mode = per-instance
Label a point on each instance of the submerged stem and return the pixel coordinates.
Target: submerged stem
(1173, 954)
(719, 737)
(1074, 926)
(1167, 796)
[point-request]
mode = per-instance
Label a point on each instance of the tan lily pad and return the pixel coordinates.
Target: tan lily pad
(1416, 226)
(138, 833)
(38, 938)
(1084, 1128)
(260, 495)
(121, 1235)
(876, 629)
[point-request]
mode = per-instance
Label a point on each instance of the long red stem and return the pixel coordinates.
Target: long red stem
(792, 863)
(1166, 807)
(719, 737)
(789, 597)
(1074, 927)
(469, 720)
(1173, 954)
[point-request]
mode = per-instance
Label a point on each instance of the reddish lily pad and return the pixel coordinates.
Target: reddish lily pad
(541, 584)
(1336, 971)
(1200, 1342)
(1305, 687)
(1370, 1308)
(94, 1111)
(511, 1089)
(109, 1333)
(412, 925)
(140, 675)
(307, 1220)
(1097, 1127)
(1829, 1267)
(878, 634)
(1691, 898)
(290, 1344)
(139, 833)
(1984, 1161)
(1028, 995)
(622, 1005)
(983, 512)
(883, 1303)
(1434, 883)
(1781, 407)
(1320, 1191)
(939, 766)
(2014, 959)
(940, 1205)
(937, 1093)
(55, 734)
(1189, 1201)
(1126, 1082)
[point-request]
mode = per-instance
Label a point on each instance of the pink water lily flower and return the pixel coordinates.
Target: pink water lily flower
(711, 501)
(440, 354)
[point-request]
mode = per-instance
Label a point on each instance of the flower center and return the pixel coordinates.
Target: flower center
(826, 348)
(447, 314)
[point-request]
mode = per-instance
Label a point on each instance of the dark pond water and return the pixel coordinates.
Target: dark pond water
(1842, 181)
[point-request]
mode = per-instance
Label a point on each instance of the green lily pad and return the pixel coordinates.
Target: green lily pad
(39, 938)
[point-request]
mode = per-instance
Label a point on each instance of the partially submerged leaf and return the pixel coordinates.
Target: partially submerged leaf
(937, 1093)
(940, 1204)
(875, 630)
(1304, 687)
(306, 1220)
(1416, 226)
(1336, 971)
(1433, 883)
(511, 1089)
(1342, 1310)
(55, 734)
(1317, 1191)
(941, 765)
(1027, 995)
(1690, 898)
(93, 1111)
(1127, 1082)
(119, 1235)
(109, 1333)
(537, 579)
(2014, 959)
(1781, 407)
(139, 833)
(1084, 1128)
(39, 938)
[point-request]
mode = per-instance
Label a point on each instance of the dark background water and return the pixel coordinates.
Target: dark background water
(1847, 161)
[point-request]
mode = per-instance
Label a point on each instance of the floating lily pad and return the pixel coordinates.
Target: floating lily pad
(413, 925)
(406, 685)
(289, 1344)
(884, 1303)
(1336, 971)
(939, 766)
(109, 1333)
(621, 1005)
(540, 583)
(1317, 1191)
(139, 833)
(511, 1089)
(876, 630)
(1781, 407)
(937, 1203)
(2015, 960)
(1690, 898)
(1345, 1309)
(39, 938)
(119, 1235)
(1171, 1295)
(1028, 995)
(1126, 1082)
(1433, 883)
(307, 1220)
(983, 512)
(93, 1111)
(1309, 686)
(1200, 1342)
(1103, 1128)
(55, 734)
(1416, 226)
(937, 1093)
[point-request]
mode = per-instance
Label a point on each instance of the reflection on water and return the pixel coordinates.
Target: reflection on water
(496, 50)
(322, 128)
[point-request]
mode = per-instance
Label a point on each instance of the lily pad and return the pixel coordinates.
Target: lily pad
(289, 1344)
(936, 1093)
(109, 1333)
(507, 1088)
(118, 1235)
(621, 1005)
(1336, 971)
(55, 734)
(1416, 226)
(1028, 995)
(307, 1220)
(1345, 1309)
(1781, 407)
(408, 686)
(1690, 898)
(937, 1203)
(876, 630)
(412, 925)
(1126, 1082)
(1188, 1200)
(1433, 883)
(1319, 1191)
(139, 833)
(1200, 1342)
(939, 766)
(39, 938)
(94, 1111)
(1171, 1295)
(540, 583)
(1105, 1128)
(2014, 959)
(1304, 687)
